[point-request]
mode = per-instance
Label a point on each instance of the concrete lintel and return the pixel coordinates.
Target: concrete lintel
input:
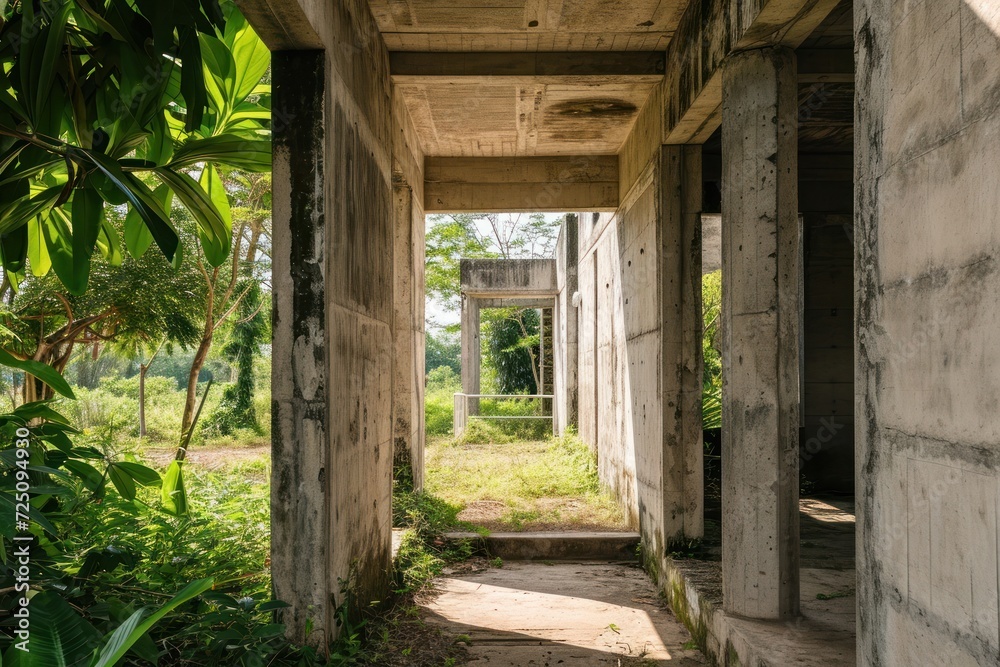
(509, 277)
(514, 302)
(523, 184)
(423, 66)
(699, 48)
(281, 24)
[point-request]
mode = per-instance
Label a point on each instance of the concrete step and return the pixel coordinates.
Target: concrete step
(556, 546)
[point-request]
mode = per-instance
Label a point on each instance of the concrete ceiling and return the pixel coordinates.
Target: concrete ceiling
(499, 119)
(527, 25)
(576, 111)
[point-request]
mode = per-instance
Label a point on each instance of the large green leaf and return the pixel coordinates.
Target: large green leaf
(214, 225)
(133, 629)
(228, 149)
(43, 372)
(141, 198)
(20, 211)
(250, 54)
(60, 637)
(137, 236)
(172, 492)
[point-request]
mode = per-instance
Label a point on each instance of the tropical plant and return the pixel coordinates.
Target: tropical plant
(97, 94)
(131, 306)
(711, 345)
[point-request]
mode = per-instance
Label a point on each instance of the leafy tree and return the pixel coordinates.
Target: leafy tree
(512, 336)
(141, 301)
(443, 349)
(98, 93)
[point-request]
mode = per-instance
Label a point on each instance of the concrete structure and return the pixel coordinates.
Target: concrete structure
(859, 252)
(497, 283)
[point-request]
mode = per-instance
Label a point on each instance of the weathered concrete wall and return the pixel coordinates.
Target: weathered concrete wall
(333, 332)
(639, 284)
(927, 211)
(409, 294)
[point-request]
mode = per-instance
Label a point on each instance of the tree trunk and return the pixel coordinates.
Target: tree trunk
(142, 399)
(191, 399)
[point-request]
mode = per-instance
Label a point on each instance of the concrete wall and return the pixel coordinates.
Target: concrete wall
(639, 275)
(409, 290)
(335, 321)
(926, 232)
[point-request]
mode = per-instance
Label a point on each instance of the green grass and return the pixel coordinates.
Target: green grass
(521, 486)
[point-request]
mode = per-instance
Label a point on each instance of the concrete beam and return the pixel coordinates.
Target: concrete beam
(710, 32)
(423, 67)
(509, 278)
(526, 184)
(281, 24)
(760, 310)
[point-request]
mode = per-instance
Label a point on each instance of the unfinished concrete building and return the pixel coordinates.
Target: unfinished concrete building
(850, 149)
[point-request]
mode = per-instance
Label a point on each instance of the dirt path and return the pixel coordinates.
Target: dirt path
(593, 614)
(210, 459)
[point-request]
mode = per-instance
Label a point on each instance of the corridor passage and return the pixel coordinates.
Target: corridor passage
(572, 614)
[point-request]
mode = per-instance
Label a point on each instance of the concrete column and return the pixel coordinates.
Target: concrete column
(760, 272)
(680, 237)
(300, 389)
(471, 351)
(570, 323)
(408, 334)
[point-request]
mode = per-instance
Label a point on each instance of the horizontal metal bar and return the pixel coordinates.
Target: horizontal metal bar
(511, 396)
(489, 417)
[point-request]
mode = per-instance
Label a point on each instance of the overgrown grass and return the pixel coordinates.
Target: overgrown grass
(110, 415)
(537, 485)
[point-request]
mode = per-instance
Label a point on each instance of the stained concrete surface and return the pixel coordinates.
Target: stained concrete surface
(561, 614)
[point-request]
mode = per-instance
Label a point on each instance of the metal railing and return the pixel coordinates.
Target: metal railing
(467, 408)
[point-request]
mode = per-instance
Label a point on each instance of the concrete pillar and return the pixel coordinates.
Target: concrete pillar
(408, 332)
(680, 235)
(570, 325)
(760, 272)
(471, 351)
(300, 388)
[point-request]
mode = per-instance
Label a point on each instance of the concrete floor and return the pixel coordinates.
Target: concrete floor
(579, 614)
(825, 634)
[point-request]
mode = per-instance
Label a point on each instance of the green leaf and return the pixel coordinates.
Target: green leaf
(141, 198)
(43, 372)
(59, 243)
(14, 249)
(88, 211)
(141, 474)
(88, 474)
(111, 245)
(173, 496)
(39, 410)
(20, 211)
(214, 225)
(225, 149)
(59, 636)
(129, 632)
(251, 56)
(137, 236)
(122, 481)
(38, 252)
